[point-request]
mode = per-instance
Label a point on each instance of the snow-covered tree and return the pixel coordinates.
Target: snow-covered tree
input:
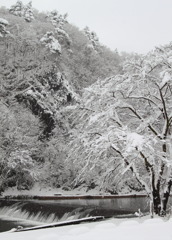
(58, 21)
(126, 124)
(21, 10)
(3, 24)
(62, 36)
(28, 12)
(17, 9)
(18, 145)
(93, 39)
(51, 42)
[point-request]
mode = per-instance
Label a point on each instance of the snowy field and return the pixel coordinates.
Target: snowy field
(113, 229)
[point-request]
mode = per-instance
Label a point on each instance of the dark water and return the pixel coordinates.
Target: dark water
(6, 225)
(31, 213)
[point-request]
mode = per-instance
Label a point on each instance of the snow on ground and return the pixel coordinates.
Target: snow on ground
(113, 229)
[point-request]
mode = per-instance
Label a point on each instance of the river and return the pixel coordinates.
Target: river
(35, 212)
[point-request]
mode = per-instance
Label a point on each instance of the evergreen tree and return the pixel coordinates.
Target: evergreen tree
(57, 19)
(21, 10)
(17, 9)
(28, 12)
(93, 39)
(51, 43)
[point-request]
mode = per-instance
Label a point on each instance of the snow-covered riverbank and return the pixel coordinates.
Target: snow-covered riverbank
(138, 229)
(44, 191)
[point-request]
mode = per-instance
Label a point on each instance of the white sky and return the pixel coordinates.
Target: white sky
(128, 25)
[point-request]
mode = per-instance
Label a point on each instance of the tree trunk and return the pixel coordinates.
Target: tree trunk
(160, 205)
(156, 202)
(165, 199)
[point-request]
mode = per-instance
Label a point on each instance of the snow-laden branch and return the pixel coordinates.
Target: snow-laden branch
(129, 107)
(147, 99)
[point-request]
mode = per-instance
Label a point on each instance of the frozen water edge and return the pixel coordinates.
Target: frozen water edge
(143, 228)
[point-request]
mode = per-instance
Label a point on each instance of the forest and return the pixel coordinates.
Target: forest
(75, 114)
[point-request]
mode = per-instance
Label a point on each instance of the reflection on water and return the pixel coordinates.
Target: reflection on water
(61, 210)
(115, 204)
